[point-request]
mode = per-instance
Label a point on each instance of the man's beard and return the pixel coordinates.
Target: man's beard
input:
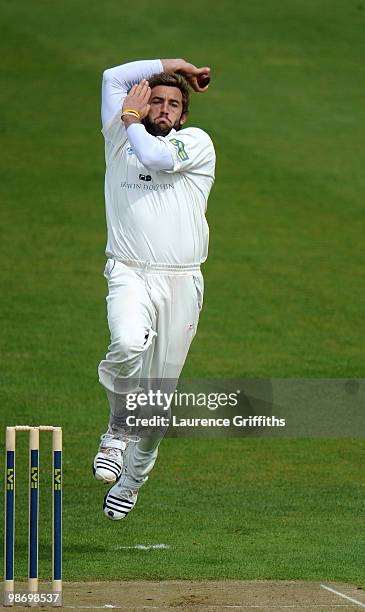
(159, 130)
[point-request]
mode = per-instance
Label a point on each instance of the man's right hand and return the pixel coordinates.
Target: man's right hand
(189, 71)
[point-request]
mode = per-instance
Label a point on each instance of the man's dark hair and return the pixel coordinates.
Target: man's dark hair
(173, 79)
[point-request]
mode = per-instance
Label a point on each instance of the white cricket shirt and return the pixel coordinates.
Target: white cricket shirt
(158, 216)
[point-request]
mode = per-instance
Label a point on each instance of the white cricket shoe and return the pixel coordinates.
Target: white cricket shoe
(120, 500)
(108, 462)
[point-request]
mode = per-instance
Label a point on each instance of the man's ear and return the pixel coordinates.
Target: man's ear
(183, 118)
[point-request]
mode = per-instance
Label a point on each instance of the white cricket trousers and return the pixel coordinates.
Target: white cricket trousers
(153, 313)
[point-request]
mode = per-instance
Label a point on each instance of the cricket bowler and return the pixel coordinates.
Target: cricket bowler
(157, 182)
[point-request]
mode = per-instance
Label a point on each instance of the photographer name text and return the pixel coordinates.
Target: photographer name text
(236, 421)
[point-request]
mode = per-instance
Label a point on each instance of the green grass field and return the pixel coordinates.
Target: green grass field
(284, 280)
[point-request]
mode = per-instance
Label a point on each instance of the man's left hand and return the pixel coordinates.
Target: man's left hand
(138, 98)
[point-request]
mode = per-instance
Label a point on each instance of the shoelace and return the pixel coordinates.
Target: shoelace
(128, 493)
(114, 453)
(124, 437)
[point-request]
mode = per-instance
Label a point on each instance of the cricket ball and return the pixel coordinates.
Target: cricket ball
(203, 81)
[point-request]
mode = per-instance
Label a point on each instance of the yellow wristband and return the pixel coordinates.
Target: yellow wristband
(130, 111)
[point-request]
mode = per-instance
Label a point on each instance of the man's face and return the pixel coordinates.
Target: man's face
(165, 110)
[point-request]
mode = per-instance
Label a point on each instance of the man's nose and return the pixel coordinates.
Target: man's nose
(165, 107)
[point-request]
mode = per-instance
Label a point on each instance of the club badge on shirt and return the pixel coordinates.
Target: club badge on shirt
(180, 149)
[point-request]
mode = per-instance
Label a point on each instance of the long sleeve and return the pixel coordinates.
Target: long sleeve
(118, 80)
(153, 152)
